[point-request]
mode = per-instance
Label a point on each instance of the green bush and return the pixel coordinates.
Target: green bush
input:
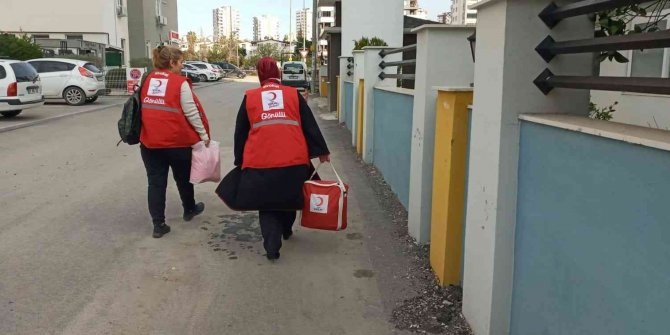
(19, 48)
(367, 42)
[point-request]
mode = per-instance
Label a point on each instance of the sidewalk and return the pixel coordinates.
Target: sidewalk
(399, 268)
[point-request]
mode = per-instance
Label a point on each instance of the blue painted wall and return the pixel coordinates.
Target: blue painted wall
(393, 139)
(592, 252)
(348, 92)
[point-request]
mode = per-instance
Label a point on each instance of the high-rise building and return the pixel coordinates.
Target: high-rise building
(461, 14)
(303, 23)
(325, 18)
(412, 9)
(226, 22)
(266, 27)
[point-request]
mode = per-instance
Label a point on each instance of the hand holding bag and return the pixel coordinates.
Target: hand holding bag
(205, 163)
(325, 204)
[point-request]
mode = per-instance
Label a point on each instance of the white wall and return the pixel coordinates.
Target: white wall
(363, 19)
(101, 24)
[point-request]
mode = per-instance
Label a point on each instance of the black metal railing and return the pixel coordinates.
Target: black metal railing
(383, 65)
(350, 66)
(548, 49)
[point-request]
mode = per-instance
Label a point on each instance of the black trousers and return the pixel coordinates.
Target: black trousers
(273, 224)
(157, 163)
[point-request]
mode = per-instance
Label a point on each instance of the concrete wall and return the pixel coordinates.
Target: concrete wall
(393, 138)
(359, 19)
(507, 33)
(591, 252)
(143, 27)
(347, 107)
(434, 42)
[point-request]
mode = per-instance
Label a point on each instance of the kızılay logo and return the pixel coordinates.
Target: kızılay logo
(135, 74)
(273, 100)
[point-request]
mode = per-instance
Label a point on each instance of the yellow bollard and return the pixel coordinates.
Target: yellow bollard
(361, 110)
(451, 127)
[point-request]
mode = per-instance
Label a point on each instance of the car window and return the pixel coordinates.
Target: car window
(3, 72)
(200, 66)
(293, 69)
(91, 67)
(190, 67)
(52, 66)
(24, 72)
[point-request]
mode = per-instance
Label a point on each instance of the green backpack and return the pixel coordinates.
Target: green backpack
(130, 123)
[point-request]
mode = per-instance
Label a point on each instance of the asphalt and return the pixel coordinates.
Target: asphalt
(77, 256)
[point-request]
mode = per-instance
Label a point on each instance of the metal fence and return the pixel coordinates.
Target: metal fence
(399, 64)
(549, 49)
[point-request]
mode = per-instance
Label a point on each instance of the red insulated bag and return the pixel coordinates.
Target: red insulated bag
(325, 205)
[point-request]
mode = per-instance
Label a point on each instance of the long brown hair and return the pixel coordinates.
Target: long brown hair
(163, 56)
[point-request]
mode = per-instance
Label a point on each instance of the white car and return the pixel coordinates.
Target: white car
(203, 75)
(75, 81)
(20, 87)
(208, 70)
(294, 74)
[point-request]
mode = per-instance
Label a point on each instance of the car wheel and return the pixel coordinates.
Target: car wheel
(202, 77)
(241, 75)
(74, 96)
(92, 99)
(11, 114)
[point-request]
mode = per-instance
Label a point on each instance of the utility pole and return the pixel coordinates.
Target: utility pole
(315, 44)
(290, 28)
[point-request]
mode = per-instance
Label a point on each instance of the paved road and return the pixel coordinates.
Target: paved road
(77, 257)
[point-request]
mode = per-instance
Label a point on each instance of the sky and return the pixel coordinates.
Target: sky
(195, 15)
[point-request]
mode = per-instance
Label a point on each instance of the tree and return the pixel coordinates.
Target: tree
(191, 39)
(617, 22)
(264, 50)
(19, 48)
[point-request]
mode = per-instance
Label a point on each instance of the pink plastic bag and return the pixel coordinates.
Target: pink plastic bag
(205, 163)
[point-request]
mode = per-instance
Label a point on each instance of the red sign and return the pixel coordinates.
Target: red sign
(174, 36)
(135, 74)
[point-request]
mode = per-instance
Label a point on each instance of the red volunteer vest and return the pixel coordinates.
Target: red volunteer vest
(164, 124)
(276, 138)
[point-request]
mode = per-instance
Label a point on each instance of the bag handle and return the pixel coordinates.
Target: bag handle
(339, 180)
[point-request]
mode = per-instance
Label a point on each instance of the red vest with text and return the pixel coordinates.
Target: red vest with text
(276, 138)
(164, 124)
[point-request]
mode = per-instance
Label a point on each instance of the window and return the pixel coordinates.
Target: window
(123, 43)
(472, 15)
(201, 66)
(41, 36)
(3, 72)
(91, 67)
(51, 66)
(652, 63)
(24, 72)
(75, 37)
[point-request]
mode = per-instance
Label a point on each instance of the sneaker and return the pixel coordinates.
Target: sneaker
(272, 257)
(287, 235)
(199, 208)
(161, 230)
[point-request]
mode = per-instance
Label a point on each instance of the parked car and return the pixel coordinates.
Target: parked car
(191, 72)
(20, 87)
(294, 74)
(203, 75)
(208, 73)
(75, 81)
(231, 70)
(219, 71)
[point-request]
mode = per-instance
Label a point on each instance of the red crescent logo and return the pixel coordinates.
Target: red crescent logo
(160, 83)
(320, 202)
(274, 96)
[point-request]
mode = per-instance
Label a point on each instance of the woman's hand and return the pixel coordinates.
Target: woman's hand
(324, 158)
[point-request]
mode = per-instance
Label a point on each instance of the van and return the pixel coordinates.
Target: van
(294, 74)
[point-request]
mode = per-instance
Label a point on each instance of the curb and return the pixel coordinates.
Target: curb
(58, 117)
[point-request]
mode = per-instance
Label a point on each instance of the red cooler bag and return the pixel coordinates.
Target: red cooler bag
(325, 205)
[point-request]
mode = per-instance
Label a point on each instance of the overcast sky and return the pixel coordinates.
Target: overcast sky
(195, 15)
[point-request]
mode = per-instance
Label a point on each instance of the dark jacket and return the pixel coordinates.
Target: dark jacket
(270, 189)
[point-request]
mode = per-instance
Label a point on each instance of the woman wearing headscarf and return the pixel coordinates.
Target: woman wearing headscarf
(276, 135)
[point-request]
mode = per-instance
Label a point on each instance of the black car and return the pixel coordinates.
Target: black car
(231, 70)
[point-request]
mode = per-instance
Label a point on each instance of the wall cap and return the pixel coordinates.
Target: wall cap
(453, 89)
(648, 137)
(440, 26)
(483, 3)
(399, 90)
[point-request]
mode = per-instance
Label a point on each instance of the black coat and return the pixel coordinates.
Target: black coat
(270, 189)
